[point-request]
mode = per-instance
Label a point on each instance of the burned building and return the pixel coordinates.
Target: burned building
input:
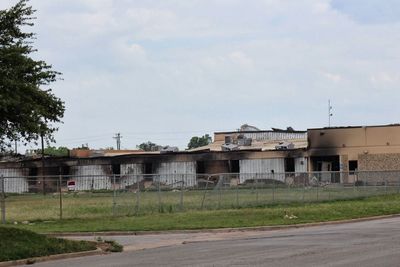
(356, 148)
(337, 153)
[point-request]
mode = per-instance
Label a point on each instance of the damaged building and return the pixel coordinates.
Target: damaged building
(351, 149)
(336, 152)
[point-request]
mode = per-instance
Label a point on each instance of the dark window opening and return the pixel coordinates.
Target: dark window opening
(329, 166)
(235, 166)
(200, 167)
(33, 172)
(116, 169)
(326, 163)
(148, 168)
(65, 170)
(353, 166)
(289, 165)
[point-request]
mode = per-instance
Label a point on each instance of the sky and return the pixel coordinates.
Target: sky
(167, 70)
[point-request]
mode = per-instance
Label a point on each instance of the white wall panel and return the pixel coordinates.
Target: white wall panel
(91, 177)
(170, 173)
(261, 166)
(131, 173)
(300, 164)
(16, 182)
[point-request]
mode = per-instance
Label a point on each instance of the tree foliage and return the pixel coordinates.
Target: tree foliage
(28, 108)
(149, 146)
(56, 151)
(197, 141)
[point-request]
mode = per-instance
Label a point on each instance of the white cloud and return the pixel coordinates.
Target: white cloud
(331, 76)
(189, 65)
(385, 77)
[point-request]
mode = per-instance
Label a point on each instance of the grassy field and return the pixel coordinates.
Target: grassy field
(92, 205)
(21, 244)
(272, 214)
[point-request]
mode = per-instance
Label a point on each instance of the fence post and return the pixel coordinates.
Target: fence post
(114, 195)
(304, 187)
(317, 190)
(237, 192)
(182, 187)
(219, 190)
(137, 195)
(273, 190)
(60, 192)
(3, 200)
(256, 188)
(159, 193)
(385, 185)
(205, 191)
(398, 184)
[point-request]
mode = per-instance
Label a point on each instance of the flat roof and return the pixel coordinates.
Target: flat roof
(261, 131)
(351, 127)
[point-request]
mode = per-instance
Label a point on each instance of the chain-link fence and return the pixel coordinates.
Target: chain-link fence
(90, 196)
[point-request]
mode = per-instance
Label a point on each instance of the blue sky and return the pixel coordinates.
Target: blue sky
(167, 70)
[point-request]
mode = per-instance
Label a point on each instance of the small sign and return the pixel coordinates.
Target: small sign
(71, 185)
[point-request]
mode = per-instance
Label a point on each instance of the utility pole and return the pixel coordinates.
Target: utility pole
(16, 147)
(329, 112)
(43, 171)
(118, 138)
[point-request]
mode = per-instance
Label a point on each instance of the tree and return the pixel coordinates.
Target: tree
(149, 146)
(56, 151)
(28, 108)
(196, 141)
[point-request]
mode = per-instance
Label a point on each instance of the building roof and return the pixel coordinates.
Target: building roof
(360, 126)
(256, 145)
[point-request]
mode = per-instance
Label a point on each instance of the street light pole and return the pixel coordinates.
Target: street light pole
(329, 112)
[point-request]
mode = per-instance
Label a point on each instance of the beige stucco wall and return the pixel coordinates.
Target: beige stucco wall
(375, 147)
(370, 136)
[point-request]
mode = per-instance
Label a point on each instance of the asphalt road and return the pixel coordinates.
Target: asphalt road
(369, 243)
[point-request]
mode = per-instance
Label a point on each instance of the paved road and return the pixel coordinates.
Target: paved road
(371, 243)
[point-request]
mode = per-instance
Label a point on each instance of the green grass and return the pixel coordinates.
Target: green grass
(272, 214)
(21, 244)
(91, 205)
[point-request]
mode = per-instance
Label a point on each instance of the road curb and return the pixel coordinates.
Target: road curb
(221, 230)
(33, 260)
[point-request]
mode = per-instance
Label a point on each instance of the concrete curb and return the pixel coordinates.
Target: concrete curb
(222, 230)
(98, 251)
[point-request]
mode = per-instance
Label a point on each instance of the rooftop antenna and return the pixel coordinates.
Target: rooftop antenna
(329, 112)
(118, 138)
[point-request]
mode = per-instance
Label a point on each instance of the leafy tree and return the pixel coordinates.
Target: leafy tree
(28, 108)
(149, 146)
(56, 151)
(197, 141)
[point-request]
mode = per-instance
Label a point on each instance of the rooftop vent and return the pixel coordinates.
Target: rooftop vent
(169, 149)
(284, 146)
(228, 139)
(243, 140)
(229, 147)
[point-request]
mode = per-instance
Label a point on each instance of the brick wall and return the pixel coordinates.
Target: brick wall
(376, 162)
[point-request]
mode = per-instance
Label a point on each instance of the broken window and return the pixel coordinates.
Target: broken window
(234, 166)
(289, 165)
(116, 169)
(353, 166)
(200, 167)
(32, 172)
(148, 168)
